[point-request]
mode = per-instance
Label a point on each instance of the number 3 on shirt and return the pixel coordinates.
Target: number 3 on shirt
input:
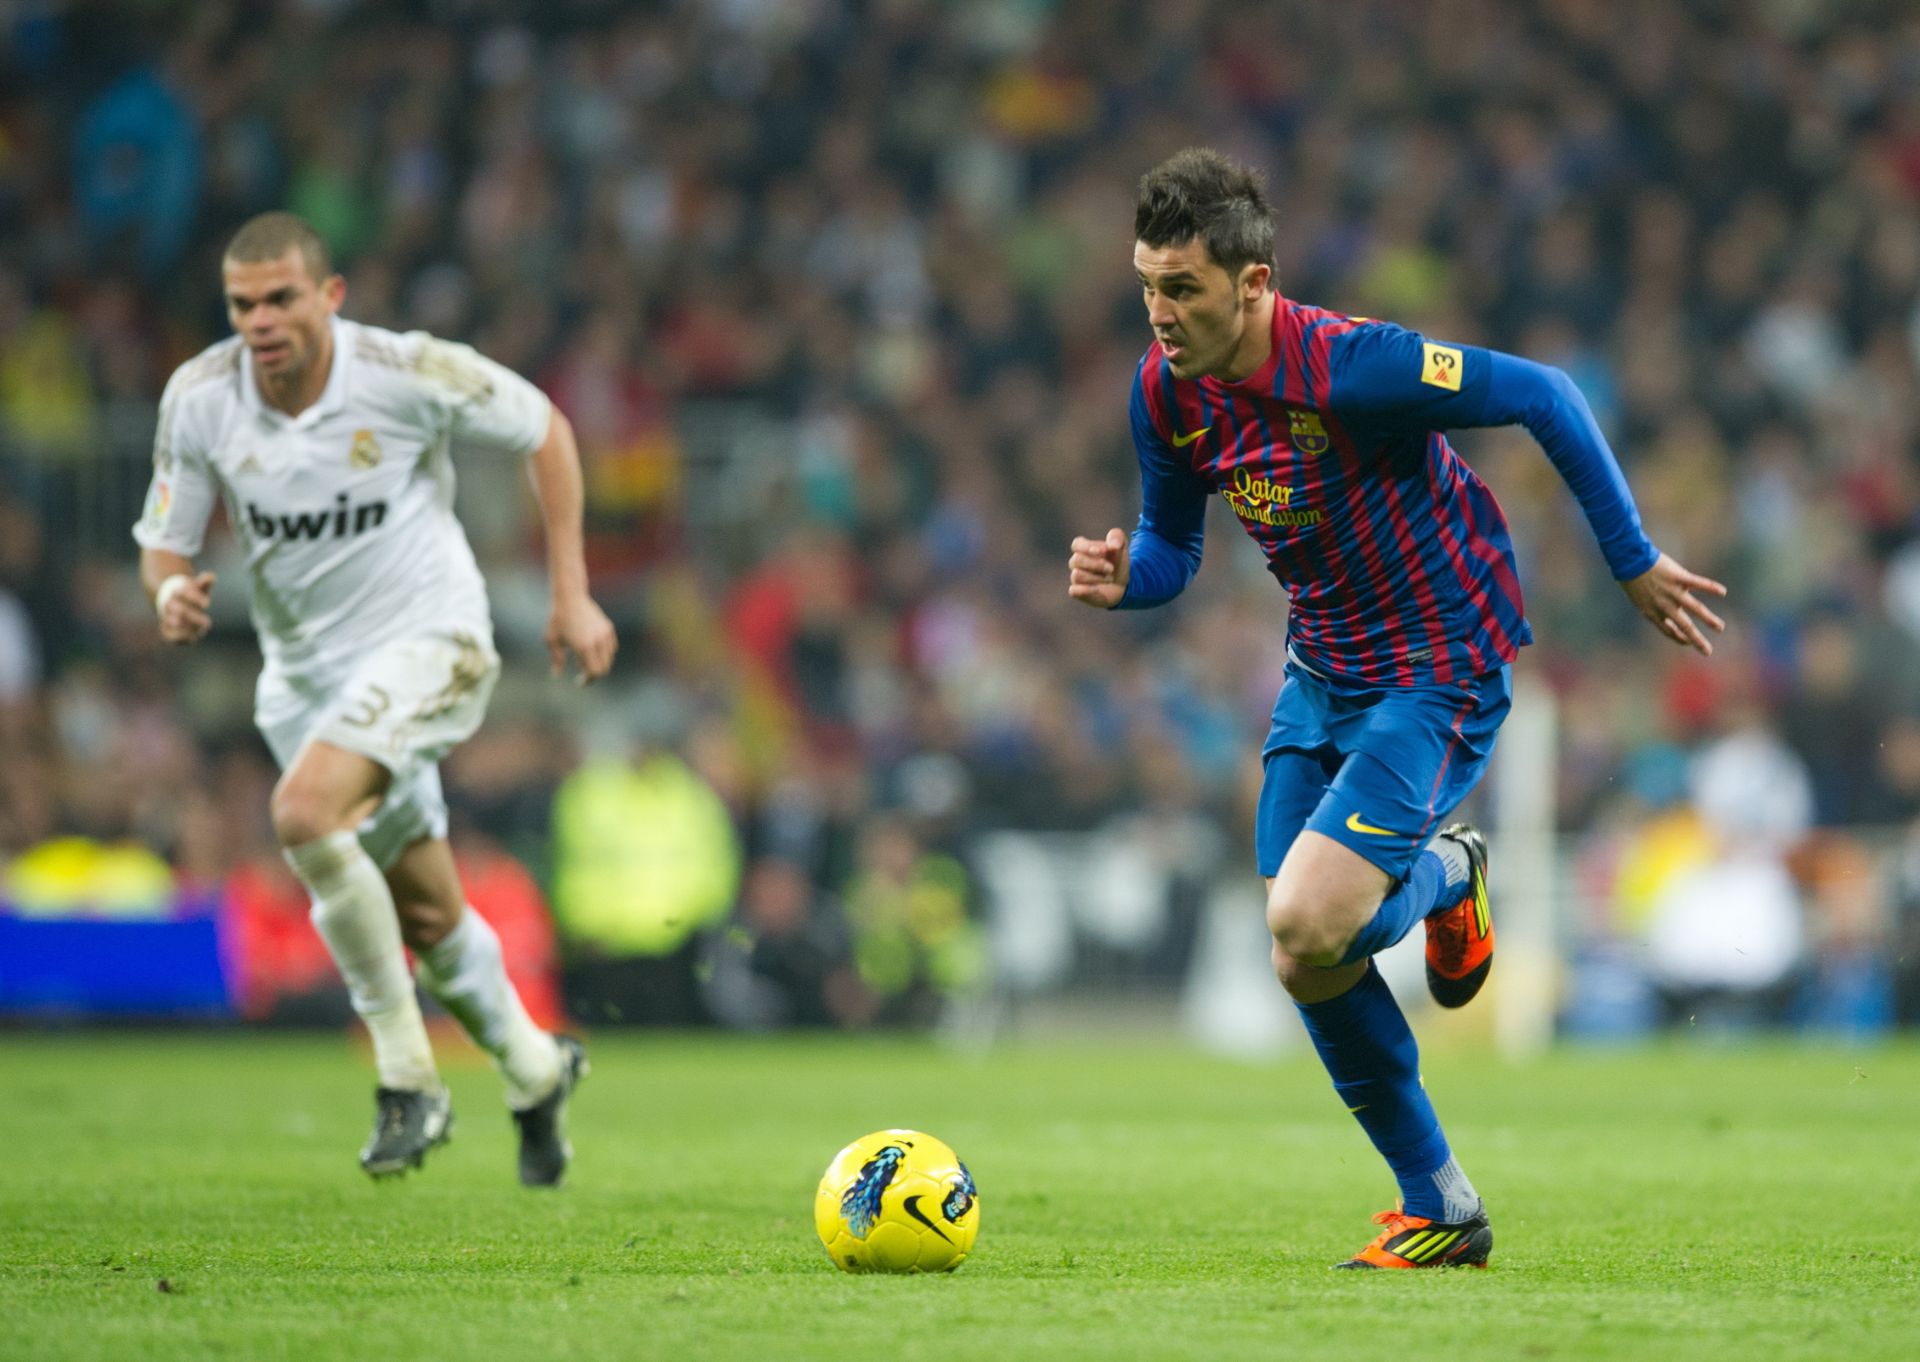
(1440, 367)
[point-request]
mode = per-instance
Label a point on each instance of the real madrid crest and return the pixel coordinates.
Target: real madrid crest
(366, 450)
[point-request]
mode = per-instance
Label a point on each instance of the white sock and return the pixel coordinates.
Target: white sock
(353, 912)
(1463, 1203)
(1459, 867)
(467, 973)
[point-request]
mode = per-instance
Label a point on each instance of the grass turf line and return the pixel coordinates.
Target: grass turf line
(1692, 1203)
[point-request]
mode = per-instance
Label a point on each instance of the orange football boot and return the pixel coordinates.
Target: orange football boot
(1460, 938)
(1411, 1241)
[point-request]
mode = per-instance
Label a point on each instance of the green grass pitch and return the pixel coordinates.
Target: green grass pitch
(1138, 1202)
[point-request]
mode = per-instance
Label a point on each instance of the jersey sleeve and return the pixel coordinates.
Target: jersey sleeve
(1384, 374)
(483, 402)
(1387, 376)
(1555, 412)
(181, 496)
(1171, 534)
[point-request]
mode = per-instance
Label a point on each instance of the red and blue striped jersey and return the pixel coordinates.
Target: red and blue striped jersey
(1395, 555)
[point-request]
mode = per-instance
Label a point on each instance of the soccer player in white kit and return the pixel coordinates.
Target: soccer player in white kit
(331, 444)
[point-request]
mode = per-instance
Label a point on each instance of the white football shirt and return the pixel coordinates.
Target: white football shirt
(346, 510)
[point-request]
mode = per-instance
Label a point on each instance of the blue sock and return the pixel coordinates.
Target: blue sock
(1419, 894)
(1370, 1053)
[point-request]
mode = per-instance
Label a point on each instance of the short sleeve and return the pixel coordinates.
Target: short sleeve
(485, 402)
(182, 493)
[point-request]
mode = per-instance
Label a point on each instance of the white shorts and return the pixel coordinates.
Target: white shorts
(405, 705)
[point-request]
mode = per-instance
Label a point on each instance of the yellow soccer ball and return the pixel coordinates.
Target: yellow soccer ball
(897, 1201)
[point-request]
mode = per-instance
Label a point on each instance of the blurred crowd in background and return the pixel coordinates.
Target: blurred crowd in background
(837, 296)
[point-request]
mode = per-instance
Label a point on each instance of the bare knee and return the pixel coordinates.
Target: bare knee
(326, 790)
(1312, 983)
(1290, 972)
(301, 815)
(1304, 930)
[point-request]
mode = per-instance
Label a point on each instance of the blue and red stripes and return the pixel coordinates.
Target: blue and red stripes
(1379, 516)
(1405, 575)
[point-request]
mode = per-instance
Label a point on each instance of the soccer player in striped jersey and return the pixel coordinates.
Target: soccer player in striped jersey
(1322, 432)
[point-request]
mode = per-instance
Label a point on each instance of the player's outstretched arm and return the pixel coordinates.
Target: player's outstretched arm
(1097, 570)
(1666, 594)
(1557, 414)
(182, 598)
(576, 625)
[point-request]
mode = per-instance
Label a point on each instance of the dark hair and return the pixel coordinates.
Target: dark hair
(1200, 193)
(271, 235)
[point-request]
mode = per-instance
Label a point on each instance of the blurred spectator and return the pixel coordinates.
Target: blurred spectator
(46, 391)
(1849, 988)
(915, 946)
(645, 858)
(1750, 787)
(1834, 725)
(787, 959)
(1725, 939)
(1725, 930)
(136, 171)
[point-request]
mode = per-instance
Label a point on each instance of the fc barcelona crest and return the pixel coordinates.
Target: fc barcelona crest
(1309, 436)
(366, 450)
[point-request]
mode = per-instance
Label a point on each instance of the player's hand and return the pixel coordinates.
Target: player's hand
(184, 606)
(580, 627)
(1097, 571)
(1669, 596)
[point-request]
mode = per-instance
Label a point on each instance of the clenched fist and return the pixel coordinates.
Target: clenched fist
(1097, 571)
(183, 604)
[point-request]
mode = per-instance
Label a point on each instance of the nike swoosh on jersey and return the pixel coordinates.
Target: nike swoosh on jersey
(1354, 823)
(1182, 441)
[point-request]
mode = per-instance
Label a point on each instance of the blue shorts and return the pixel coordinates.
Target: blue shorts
(1376, 768)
